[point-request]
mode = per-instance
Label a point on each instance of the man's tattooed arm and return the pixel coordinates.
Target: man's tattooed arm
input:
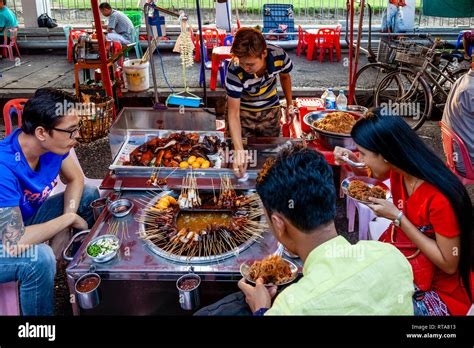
(11, 227)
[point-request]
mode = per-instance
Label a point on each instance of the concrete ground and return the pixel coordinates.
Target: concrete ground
(51, 69)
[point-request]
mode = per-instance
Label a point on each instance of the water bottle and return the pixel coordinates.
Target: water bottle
(324, 95)
(341, 101)
(330, 103)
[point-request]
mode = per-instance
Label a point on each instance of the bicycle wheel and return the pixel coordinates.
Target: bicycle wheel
(439, 97)
(405, 94)
(367, 80)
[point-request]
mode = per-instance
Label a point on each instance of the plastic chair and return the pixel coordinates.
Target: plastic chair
(8, 47)
(210, 39)
(326, 38)
(136, 39)
(302, 42)
(337, 42)
(12, 107)
(449, 137)
(67, 29)
(229, 40)
(223, 67)
(9, 299)
(207, 66)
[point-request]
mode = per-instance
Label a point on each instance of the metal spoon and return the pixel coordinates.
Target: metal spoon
(350, 162)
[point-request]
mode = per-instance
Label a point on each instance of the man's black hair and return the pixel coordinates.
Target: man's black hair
(105, 5)
(45, 109)
(299, 185)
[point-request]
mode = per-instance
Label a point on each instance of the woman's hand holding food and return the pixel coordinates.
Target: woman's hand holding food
(383, 208)
(258, 296)
(340, 152)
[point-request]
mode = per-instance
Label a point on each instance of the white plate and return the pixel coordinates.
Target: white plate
(369, 181)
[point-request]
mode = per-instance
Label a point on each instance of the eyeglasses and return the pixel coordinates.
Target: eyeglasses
(72, 133)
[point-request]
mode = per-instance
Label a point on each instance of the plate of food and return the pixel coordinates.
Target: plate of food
(360, 188)
(274, 270)
(103, 248)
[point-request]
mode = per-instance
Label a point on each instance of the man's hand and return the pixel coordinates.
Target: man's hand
(289, 114)
(78, 223)
(257, 296)
(59, 242)
(240, 163)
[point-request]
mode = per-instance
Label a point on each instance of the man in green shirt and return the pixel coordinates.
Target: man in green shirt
(7, 20)
(368, 278)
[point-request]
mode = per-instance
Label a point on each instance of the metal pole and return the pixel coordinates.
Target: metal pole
(201, 43)
(103, 54)
(149, 34)
(351, 49)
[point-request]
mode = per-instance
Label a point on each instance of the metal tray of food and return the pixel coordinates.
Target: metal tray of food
(332, 139)
(136, 138)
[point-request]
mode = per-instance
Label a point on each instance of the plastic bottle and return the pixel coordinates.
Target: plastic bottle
(330, 103)
(324, 95)
(341, 101)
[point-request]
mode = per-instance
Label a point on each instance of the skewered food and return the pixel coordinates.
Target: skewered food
(195, 224)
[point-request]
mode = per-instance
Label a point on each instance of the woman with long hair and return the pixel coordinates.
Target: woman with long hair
(431, 211)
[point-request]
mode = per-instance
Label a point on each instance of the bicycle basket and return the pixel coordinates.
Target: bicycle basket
(411, 53)
(386, 52)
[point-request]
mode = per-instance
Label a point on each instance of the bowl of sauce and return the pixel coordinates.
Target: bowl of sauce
(87, 290)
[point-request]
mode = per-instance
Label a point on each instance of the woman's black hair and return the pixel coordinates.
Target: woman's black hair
(391, 137)
(46, 109)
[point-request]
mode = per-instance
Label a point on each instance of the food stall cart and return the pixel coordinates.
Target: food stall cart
(141, 278)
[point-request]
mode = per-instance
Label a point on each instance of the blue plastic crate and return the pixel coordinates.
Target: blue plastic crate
(276, 14)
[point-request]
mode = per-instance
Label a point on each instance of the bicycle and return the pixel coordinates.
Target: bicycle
(370, 77)
(418, 82)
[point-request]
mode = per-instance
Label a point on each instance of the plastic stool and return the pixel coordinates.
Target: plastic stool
(365, 216)
(9, 301)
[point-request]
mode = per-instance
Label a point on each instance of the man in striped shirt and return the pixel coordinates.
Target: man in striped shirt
(252, 100)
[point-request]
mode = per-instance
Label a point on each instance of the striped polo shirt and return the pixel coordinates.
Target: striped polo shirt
(258, 93)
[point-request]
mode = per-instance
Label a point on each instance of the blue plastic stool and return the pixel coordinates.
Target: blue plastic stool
(223, 71)
(207, 66)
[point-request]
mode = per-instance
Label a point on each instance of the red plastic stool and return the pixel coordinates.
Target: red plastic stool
(9, 301)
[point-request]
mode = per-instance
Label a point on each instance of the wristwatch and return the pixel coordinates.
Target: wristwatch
(398, 220)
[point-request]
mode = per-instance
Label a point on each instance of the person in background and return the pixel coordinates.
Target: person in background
(468, 41)
(459, 114)
(368, 278)
(392, 17)
(30, 160)
(431, 210)
(253, 106)
(7, 20)
(120, 27)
